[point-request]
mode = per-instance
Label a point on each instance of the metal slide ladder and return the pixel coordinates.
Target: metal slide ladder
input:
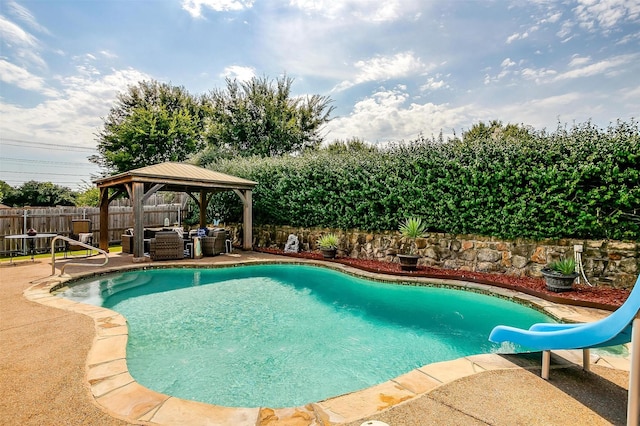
(77, 243)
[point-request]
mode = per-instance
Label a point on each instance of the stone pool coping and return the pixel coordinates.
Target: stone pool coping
(121, 396)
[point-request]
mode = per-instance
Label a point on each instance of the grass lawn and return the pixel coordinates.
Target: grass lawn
(59, 255)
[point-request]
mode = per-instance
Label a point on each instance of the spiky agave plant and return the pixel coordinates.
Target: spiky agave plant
(328, 241)
(412, 227)
(564, 266)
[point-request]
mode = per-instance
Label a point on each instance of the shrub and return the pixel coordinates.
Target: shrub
(580, 182)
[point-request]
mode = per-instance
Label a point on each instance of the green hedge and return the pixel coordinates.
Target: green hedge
(581, 182)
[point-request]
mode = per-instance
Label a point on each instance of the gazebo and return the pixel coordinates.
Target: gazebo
(199, 183)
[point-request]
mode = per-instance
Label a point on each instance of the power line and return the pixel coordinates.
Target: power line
(42, 173)
(68, 163)
(43, 145)
(57, 182)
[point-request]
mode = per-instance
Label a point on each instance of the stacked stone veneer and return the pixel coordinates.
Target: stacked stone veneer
(606, 262)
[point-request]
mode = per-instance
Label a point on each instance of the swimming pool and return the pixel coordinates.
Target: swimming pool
(286, 335)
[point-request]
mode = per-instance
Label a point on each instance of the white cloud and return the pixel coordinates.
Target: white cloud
(384, 116)
(629, 38)
(20, 77)
(507, 63)
(14, 34)
(606, 14)
(538, 75)
(565, 30)
(555, 17)
(433, 84)
(632, 95)
(364, 10)
(194, 7)
(23, 46)
(577, 60)
(381, 68)
(108, 55)
(506, 69)
(598, 68)
(24, 15)
(239, 73)
(74, 115)
(31, 57)
(517, 36)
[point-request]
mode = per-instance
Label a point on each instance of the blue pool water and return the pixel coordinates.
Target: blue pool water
(287, 335)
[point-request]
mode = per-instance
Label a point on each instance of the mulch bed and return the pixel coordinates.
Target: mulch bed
(581, 295)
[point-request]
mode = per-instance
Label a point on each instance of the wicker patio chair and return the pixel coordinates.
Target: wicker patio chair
(166, 246)
(214, 244)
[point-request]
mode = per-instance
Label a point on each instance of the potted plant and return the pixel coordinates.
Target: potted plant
(328, 245)
(559, 275)
(411, 228)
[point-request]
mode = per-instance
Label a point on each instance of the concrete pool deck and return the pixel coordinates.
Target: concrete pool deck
(64, 362)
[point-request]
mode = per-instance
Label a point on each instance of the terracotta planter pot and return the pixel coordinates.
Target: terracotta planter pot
(557, 281)
(408, 262)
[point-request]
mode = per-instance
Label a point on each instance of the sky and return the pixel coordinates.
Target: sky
(394, 69)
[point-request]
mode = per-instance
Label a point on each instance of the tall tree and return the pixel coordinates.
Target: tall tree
(5, 190)
(496, 130)
(151, 123)
(44, 194)
(261, 117)
(353, 145)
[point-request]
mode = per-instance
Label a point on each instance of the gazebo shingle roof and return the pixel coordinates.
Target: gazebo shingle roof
(176, 176)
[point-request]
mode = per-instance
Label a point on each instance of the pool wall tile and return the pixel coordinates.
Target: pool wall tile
(455, 369)
(416, 381)
(102, 386)
(107, 369)
(175, 411)
(298, 416)
(107, 349)
(356, 405)
(113, 331)
(491, 362)
(131, 401)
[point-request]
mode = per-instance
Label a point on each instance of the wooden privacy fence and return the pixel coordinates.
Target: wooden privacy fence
(59, 220)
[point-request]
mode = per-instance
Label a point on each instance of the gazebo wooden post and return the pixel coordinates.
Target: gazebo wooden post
(203, 209)
(104, 219)
(247, 237)
(247, 218)
(138, 219)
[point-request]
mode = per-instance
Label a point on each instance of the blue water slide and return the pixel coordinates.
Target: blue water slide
(622, 326)
(613, 330)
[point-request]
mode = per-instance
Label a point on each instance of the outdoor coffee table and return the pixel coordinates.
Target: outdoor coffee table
(32, 242)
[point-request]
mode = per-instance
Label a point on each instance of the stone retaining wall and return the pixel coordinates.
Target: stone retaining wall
(606, 262)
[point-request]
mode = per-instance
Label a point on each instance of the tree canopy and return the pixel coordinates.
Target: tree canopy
(151, 123)
(44, 194)
(261, 117)
(5, 190)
